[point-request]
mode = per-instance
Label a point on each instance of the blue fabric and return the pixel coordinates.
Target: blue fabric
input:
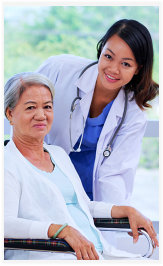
(84, 160)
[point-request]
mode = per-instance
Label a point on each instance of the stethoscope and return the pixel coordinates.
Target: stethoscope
(108, 148)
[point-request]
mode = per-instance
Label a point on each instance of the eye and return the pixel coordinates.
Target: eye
(48, 106)
(126, 64)
(108, 56)
(30, 107)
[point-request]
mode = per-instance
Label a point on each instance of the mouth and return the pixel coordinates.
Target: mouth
(40, 125)
(111, 78)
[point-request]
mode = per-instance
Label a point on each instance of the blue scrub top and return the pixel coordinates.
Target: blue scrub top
(84, 160)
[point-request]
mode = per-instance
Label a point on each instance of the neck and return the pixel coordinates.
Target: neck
(105, 95)
(28, 147)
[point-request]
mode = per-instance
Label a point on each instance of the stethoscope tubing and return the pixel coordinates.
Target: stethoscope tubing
(108, 149)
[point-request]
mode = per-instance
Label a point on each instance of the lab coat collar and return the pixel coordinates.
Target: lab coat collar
(86, 84)
(87, 81)
(119, 102)
(115, 113)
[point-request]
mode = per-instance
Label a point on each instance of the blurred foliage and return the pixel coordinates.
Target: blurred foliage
(150, 153)
(33, 33)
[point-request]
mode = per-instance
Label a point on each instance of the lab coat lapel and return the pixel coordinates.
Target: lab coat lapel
(114, 115)
(86, 84)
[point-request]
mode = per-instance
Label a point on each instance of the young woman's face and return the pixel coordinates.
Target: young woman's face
(116, 66)
(32, 117)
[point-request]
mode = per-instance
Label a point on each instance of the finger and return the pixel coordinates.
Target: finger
(154, 239)
(85, 254)
(131, 234)
(154, 236)
(151, 232)
(95, 252)
(92, 252)
(78, 254)
(134, 232)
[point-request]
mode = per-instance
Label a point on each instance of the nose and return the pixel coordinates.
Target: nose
(115, 68)
(40, 114)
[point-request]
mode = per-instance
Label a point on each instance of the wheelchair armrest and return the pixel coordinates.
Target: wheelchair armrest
(59, 244)
(38, 244)
(112, 223)
(107, 224)
(122, 225)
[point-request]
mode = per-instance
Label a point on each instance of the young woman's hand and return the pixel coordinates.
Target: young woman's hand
(136, 220)
(83, 248)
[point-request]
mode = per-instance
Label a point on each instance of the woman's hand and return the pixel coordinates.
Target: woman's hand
(83, 248)
(136, 220)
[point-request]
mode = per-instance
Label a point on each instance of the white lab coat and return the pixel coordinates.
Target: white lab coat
(113, 178)
(33, 202)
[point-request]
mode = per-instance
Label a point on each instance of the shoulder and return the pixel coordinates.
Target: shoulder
(12, 163)
(56, 151)
(134, 109)
(67, 59)
(61, 158)
(8, 154)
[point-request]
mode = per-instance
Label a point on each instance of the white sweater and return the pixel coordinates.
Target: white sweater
(32, 202)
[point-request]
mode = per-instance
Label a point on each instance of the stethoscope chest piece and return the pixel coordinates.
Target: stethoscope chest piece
(107, 152)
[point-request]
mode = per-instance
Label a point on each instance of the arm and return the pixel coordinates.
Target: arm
(116, 173)
(83, 248)
(14, 226)
(136, 220)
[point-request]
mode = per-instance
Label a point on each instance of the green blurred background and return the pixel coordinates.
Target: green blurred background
(33, 33)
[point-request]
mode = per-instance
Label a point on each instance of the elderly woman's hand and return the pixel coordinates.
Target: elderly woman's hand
(136, 220)
(83, 248)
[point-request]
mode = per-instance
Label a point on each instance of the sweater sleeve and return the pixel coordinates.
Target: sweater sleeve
(14, 226)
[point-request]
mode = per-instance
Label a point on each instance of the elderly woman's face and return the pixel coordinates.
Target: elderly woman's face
(33, 115)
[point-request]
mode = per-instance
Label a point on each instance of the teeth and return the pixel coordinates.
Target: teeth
(110, 77)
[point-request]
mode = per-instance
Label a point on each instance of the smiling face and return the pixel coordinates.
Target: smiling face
(32, 117)
(116, 66)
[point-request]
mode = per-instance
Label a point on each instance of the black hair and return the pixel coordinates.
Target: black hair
(138, 38)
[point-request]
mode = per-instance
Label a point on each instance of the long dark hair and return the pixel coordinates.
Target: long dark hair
(138, 38)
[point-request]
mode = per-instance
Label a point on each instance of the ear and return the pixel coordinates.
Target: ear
(9, 114)
(138, 69)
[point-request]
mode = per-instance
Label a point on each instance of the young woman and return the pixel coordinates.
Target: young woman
(112, 92)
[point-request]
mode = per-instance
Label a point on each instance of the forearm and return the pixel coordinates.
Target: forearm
(136, 220)
(53, 228)
(121, 211)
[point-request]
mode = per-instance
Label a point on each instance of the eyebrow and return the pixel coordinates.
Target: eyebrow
(124, 58)
(32, 102)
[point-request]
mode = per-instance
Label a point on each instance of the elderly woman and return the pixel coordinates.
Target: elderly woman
(44, 197)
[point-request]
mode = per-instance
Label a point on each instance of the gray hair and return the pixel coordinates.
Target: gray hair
(16, 85)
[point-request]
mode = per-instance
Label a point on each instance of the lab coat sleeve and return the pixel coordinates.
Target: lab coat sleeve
(15, 227)
(116, 173)
(100, 209)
